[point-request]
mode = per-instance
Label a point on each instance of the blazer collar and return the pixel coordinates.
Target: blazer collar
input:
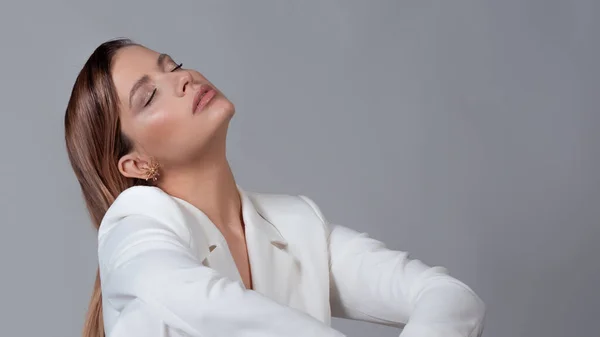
(250, 215)
(274, 270)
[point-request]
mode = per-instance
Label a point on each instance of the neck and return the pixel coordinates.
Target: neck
(211, 187)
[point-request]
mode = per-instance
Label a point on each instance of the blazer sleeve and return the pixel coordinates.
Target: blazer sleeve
(372, 283)
(144, 264)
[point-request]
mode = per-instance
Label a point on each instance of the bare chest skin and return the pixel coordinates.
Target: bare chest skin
(239, 251)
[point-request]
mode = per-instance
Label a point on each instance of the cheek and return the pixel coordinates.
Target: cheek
(160, 128)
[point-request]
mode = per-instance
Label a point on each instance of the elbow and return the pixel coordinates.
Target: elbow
(479, 314)
(470, 308)
(450, 300)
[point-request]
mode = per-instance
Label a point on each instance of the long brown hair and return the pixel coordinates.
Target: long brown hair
(94, 144)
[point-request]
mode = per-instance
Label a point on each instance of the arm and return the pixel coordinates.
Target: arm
(145, 264)
(372, 283)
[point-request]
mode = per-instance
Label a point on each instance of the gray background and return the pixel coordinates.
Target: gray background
(462, 131)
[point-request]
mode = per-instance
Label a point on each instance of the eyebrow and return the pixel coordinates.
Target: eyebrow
(145, 79)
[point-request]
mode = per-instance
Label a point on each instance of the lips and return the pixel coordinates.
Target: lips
(202, 97)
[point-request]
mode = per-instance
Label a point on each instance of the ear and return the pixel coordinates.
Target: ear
(132, 165)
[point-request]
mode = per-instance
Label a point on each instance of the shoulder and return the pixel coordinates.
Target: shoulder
(144, 201)
(291, 209)
(140, 218)
(275, 203)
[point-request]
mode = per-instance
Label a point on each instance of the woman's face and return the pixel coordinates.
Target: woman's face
(157, 108)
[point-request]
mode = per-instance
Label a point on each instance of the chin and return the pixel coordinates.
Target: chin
(221, 107)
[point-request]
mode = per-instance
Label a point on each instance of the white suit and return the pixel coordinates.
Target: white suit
(166, 270)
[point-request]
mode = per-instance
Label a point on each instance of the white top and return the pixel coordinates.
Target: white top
(166, 270)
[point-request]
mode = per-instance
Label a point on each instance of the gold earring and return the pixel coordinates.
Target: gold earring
(152, 170)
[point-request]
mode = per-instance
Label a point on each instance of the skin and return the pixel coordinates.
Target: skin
(190, 148)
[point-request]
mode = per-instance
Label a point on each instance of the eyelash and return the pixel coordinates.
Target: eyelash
(154, 91)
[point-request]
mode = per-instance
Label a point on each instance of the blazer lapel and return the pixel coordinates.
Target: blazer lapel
(210, 245)
(275, 272)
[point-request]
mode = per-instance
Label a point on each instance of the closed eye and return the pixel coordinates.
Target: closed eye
(155, 90)
(177, 67)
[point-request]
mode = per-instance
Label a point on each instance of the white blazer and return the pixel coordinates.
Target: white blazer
(166, 270)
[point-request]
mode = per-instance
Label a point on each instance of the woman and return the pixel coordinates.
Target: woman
(185, 251)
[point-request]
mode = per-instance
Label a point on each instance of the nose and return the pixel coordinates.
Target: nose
(183, 82)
